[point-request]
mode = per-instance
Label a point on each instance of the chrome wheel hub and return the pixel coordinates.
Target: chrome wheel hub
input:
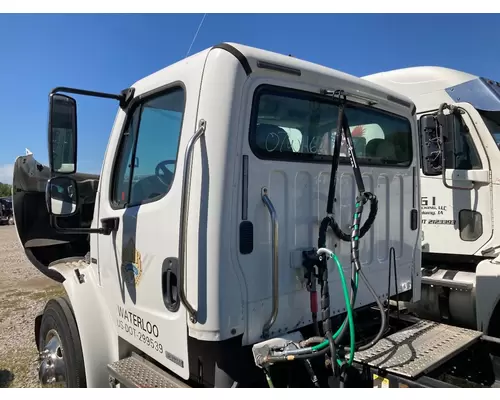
(52, 368)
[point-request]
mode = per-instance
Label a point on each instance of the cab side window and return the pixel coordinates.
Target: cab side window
(148, 151)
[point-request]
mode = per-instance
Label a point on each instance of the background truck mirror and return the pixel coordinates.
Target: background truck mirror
(62, 134)
(447, 133)
(432, 152)
(61, 195)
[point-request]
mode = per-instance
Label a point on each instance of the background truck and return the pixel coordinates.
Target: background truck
(460, 213)
(213, 248)
(6, 214)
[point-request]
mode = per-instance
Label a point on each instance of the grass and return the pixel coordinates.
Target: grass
(18, 365)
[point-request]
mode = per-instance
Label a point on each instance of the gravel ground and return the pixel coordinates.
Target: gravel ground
(23, 294)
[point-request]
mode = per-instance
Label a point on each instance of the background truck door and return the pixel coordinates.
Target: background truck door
(458, 221)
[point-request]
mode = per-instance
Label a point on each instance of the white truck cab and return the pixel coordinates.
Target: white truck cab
(189, 248)
(460, 224)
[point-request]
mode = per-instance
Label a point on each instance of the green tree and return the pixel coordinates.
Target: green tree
(5, 190)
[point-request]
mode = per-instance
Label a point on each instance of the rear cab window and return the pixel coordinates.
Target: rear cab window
(292, 125)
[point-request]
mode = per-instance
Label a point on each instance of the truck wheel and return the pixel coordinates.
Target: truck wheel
(61, 357)
(11, 221)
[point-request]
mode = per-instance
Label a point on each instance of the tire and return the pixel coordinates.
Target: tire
(58, 317)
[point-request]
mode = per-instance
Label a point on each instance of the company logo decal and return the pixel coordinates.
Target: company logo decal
(131, 264)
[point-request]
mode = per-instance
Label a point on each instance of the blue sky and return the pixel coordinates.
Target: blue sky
(110, 52)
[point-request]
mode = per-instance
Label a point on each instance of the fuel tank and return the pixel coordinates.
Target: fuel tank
(447, 296)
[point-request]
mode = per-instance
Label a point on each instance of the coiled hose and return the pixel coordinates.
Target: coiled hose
(355, 272)
(356, 234)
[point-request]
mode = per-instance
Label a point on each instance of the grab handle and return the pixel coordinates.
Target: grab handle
(275, 265)
(186, 186)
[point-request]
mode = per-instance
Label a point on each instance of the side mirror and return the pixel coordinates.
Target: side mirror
(447, 130)
(62, 134)
(61, 196)
(430, 144)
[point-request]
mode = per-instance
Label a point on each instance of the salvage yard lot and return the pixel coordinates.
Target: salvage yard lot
(23, 294)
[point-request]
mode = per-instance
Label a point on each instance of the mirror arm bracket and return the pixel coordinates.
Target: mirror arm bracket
(109, 225)
(82, 92)
(125, 96)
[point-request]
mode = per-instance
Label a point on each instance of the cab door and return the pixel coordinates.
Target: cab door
(456, 211)
(142, 191)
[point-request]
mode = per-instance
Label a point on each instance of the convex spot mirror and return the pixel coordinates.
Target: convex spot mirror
(61, 196)
(62, 134)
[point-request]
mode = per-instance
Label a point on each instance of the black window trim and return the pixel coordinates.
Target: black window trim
(315, 158)
(136, 102)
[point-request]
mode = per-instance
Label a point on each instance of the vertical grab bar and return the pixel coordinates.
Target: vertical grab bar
(186, 186)
(275, 265)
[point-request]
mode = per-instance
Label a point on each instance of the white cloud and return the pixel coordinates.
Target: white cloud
(6, 171)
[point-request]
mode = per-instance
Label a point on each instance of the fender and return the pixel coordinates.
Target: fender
(97, 333)
(487, 291)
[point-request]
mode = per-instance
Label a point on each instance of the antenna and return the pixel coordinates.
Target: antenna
(196, 34)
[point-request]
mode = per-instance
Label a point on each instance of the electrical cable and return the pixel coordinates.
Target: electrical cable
(392, 263)
(311, 340)
(363, 197)
(312, 374)
(268, 379)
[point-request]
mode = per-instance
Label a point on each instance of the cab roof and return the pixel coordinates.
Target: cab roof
(418, 81)
(254, 60)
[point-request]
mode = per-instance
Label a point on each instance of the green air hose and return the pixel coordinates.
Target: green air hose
(316, 350)
(350, 317)
(324, 344)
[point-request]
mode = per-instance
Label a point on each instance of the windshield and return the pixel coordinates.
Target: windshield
(492, 122)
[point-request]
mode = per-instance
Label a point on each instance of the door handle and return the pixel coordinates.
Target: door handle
(171, 287)
(169, 283)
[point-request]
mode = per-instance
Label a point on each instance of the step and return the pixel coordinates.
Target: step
(137, 372)
(418, 349)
